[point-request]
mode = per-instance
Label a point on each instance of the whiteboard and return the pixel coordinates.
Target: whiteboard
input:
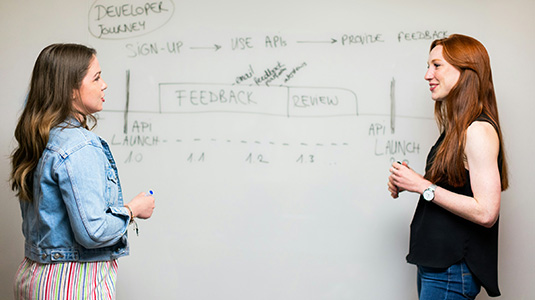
(266, 130)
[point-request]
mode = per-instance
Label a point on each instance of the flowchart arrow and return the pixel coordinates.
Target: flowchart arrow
(216, 47)
(332, 41)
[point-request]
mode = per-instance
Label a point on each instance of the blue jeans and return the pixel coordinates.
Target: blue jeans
(453, 283)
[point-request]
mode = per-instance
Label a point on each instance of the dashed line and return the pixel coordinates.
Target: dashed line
(272, 143)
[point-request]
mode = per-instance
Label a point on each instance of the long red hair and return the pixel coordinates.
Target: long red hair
(472, 97)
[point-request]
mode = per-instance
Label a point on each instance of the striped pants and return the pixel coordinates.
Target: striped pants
(69, 280)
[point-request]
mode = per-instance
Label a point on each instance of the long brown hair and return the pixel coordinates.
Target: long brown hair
(473, 96)
(57, 73)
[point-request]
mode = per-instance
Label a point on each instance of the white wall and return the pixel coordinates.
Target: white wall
(269, 200)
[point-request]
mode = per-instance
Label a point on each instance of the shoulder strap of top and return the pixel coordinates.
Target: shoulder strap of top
(485, 118)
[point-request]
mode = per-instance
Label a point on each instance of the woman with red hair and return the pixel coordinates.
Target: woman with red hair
(454, 232)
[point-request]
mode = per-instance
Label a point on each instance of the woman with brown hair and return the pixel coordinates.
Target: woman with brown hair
(454, 232)
(73, 217)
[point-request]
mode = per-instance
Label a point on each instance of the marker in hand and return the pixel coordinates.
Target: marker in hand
(397, 188)
(149, 193)
(404, 164)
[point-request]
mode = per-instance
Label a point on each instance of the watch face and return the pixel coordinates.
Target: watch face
(428, 195)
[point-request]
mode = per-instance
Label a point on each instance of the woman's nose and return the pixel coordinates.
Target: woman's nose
(429, 74)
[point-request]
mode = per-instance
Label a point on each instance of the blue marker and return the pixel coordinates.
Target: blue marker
(149, 193)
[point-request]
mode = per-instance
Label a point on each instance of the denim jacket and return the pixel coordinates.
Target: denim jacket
(77, 211)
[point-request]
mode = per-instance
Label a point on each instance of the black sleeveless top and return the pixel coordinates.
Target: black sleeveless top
(439, 238)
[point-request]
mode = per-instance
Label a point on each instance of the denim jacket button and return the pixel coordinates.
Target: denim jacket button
(58, 255)
(43, 256)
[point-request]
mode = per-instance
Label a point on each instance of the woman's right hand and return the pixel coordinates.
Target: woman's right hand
(403, 178)
(142, 205)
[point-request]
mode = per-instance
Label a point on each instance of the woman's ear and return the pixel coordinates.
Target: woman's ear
(76, 104)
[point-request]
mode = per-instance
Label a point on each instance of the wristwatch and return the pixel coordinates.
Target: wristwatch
(429, 193)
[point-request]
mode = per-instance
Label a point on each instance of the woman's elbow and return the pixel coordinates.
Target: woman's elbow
(487, 212)
(488, 220)
(93, 243)
(98, 237)
(87, 242)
